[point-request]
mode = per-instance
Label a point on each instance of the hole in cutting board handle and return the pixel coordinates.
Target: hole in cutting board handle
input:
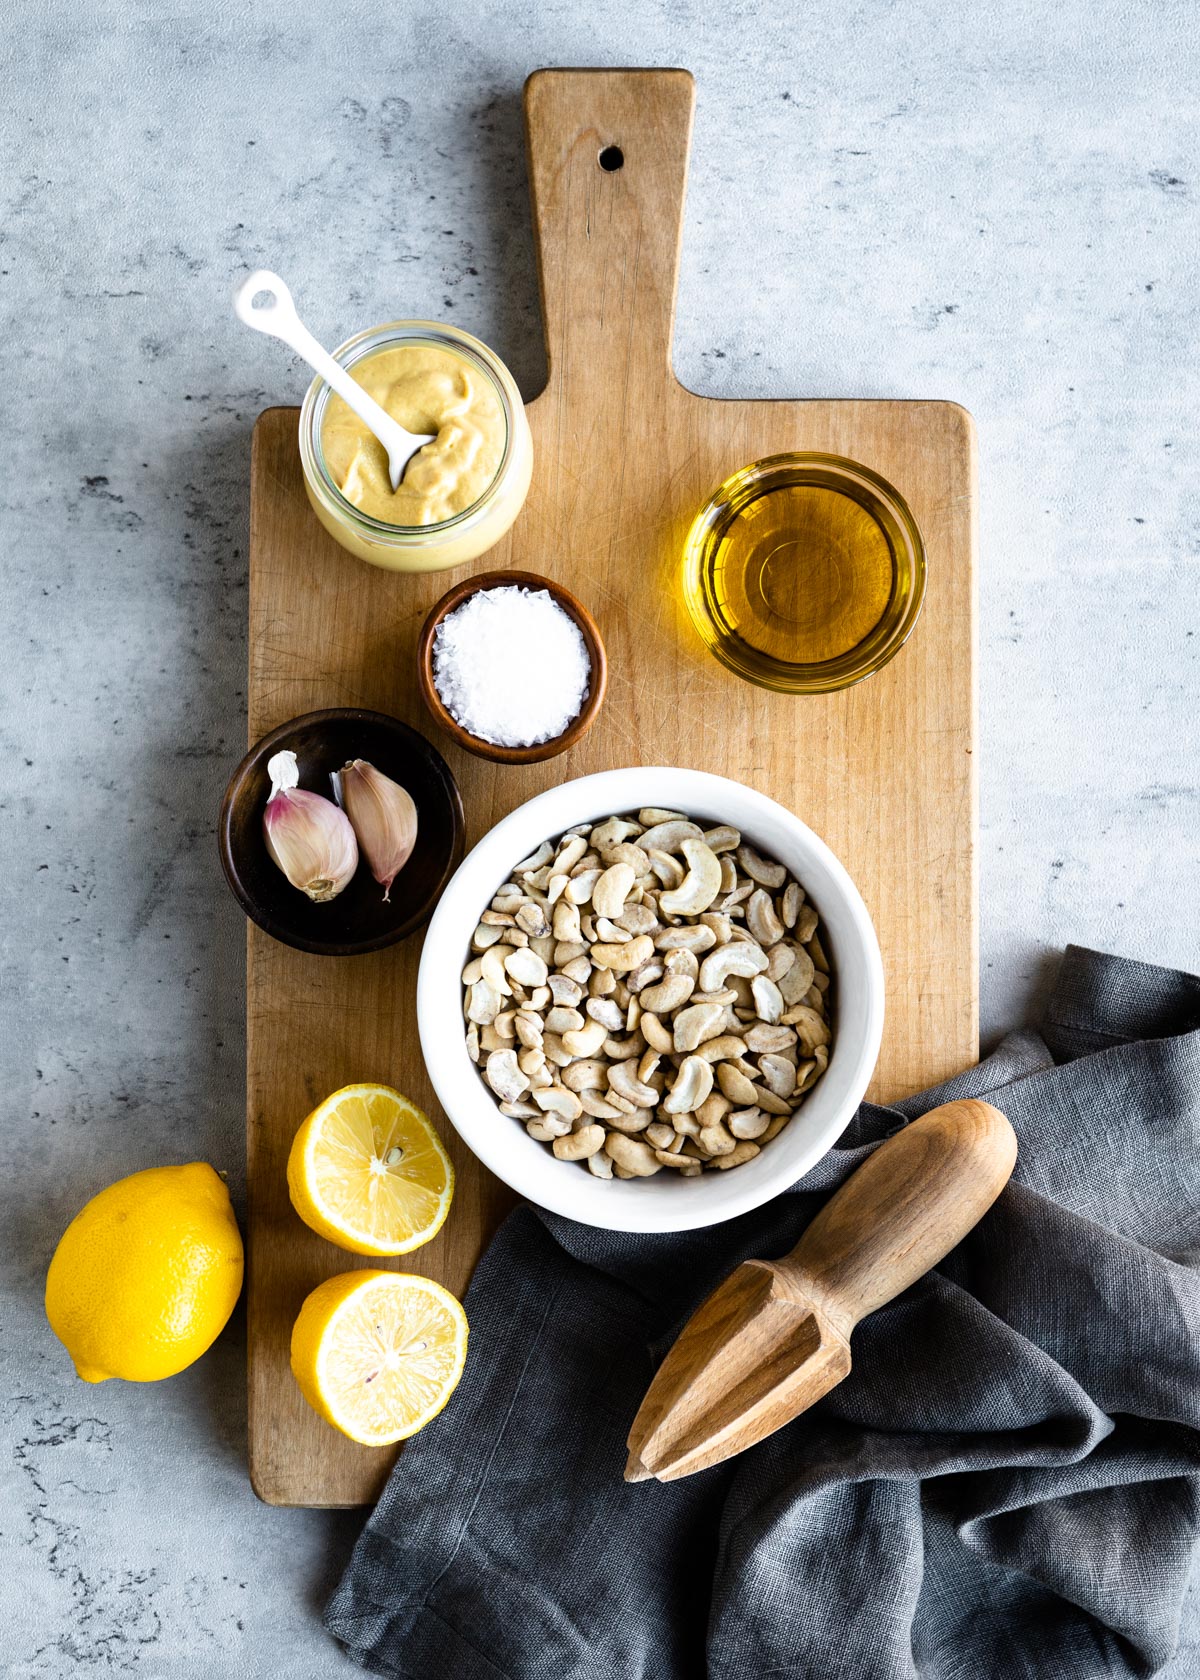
(612, 157)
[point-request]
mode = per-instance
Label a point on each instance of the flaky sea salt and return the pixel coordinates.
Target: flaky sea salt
(511, 667)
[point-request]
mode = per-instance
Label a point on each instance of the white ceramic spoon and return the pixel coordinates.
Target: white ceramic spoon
(277, 316)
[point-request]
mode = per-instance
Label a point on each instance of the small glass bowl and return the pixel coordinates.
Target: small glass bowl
(451, 542)
(814, 606)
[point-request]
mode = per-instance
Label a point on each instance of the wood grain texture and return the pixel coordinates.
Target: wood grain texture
(624, 456)
(774, 1338)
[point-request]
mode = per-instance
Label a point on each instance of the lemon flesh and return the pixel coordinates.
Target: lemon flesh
(377, 1354)
(146, 1275)
(368, 1171)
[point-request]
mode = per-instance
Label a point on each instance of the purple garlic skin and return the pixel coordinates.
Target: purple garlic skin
(384, 818)
(306, 835)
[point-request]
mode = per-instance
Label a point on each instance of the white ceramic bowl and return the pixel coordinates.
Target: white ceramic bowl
(664, 1202)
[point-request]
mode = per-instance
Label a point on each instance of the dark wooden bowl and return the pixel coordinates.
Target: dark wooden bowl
(579, 726)
(357, 920)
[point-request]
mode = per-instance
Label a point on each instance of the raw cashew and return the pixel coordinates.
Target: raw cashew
(668, 870)
(595, 1105)
(649, 973)
(738, 957)
(526, 968)
(712, 1110)
(734, 1083)
(548, 1128)
(556, 1100)
(670, 992)
(636, 1157)
(771, 1039)
(504, 1076)
(793, 898)
(797, 979)
(532, 919)
(696, 1024)
(715, 1140)
(585, 1075)
(700, 885)
(577, 1146)
(685, 1167)
(692, 938)
(623, 959)
(648, 1067)
(581, 887)
(747, 1123)
(811, 1030)
(585, 1040)
(721, 926)
(806, 924)
(483, 1003)
(741, 1153)
(610, 1016)
(519, 1110)
(571, 848)
(612, 831)
(566, 921)
(655, 1034)
(761, 919)
(612, 889)
(766, 874)
(629, 1123)
(491, 968)
(767, 999)
(669, 836)
(778, 1074)
(692, 1084)
(682, 964)
(623, 1079)
(726, 1048)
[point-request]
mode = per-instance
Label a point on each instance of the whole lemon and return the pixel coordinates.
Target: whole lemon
(146, 1275)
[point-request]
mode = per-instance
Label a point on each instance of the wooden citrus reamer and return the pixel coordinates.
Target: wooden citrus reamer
(775, 1336)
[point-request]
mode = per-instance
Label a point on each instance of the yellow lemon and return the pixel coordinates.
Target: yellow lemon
(377, 1354)
(368, 1171)
(146, 1275)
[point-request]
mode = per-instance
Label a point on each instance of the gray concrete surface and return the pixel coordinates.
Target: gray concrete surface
(995, 204)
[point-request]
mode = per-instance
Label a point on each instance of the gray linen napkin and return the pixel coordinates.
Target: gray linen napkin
(1008, 1483)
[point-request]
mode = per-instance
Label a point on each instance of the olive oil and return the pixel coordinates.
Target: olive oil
(804, 573)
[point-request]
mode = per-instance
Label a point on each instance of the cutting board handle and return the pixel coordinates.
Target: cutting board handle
(608, 156)
(904, 1209)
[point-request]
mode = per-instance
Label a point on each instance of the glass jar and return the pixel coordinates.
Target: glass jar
(451, 542)
(804, 573)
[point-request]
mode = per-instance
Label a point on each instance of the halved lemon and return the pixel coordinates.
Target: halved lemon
(377, 1354)
(368, 1171)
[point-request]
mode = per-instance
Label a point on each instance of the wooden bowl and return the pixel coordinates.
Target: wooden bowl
(357, 920)
(575, 730)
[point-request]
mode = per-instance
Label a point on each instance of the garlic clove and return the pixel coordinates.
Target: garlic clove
(384, 818)
(310, 839)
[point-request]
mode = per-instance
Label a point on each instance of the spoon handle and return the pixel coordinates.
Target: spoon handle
(905, 1208)
(279, 319)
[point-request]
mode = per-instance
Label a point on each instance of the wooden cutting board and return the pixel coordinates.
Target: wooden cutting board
(624, 456)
